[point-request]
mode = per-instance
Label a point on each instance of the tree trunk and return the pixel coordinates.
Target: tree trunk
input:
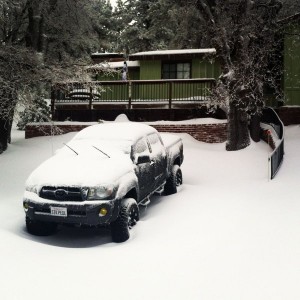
(6, 118)
(4, 134)
(255, 128)
(35, 30)
(238, 133)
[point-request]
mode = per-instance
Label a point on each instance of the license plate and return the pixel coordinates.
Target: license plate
(59, 211)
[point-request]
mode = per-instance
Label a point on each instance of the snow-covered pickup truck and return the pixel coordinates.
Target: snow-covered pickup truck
(101, 177)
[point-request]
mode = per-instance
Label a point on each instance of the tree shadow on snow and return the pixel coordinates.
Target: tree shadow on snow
(73, 237)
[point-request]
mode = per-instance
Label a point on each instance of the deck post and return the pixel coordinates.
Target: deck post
(91, 103)
(129, 94)
(170, 95)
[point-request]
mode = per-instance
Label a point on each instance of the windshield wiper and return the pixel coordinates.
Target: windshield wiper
(70, 148)
(101, 151)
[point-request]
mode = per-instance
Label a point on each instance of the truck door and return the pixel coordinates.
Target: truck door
(159, 158)
(144, 171)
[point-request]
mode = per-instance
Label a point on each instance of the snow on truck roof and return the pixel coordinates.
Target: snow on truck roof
(130, 131)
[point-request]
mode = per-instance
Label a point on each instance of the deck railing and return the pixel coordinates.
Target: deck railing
(168, 93)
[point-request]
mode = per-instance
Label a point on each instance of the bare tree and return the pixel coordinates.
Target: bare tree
(244, 33)
(248, 39)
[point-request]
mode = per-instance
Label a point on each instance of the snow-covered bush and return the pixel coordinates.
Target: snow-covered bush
(38, 111)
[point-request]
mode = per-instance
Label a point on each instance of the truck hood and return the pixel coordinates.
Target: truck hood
(80, 170)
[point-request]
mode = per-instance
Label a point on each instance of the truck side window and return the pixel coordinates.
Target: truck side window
(155, 142)
(140, 147)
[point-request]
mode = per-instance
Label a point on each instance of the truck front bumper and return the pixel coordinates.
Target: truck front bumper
(90, 213)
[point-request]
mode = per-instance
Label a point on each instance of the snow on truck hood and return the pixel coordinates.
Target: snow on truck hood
(92, 164)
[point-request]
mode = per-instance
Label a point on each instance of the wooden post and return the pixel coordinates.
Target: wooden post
(91, 104)
(129, 94)
(170, 95)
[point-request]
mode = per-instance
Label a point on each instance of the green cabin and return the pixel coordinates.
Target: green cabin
(159, 76)
(176, 64)
(164, 64)
(166, 84)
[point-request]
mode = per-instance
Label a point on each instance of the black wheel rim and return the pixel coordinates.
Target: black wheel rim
(178, 178)
(133, 217)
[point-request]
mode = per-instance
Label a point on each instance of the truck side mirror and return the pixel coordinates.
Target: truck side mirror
(143, 159)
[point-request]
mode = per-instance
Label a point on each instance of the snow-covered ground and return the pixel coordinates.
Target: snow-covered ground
(229, 233)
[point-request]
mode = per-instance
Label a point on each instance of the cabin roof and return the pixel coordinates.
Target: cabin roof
(107, 54)
(172, 54)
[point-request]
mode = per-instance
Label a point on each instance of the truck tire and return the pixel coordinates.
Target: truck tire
(174, 180)
(40, 228)
(128, 216)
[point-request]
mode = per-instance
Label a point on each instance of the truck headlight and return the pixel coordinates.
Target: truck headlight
(25, 206)
(101, 192)
(31, 188)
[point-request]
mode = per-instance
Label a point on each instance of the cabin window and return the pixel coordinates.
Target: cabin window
(177, 70)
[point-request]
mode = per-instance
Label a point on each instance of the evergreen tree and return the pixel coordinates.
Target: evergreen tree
(142, 25)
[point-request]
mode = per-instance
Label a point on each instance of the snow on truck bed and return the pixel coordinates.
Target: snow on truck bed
(169, 139)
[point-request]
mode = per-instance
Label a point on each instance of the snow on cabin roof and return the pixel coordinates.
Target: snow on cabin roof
(129, 131)
(181, 51)
(172, 53)
(107, 54)
(114, 65)
(119, 64)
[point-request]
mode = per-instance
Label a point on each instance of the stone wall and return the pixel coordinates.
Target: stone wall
(209, 133)
(35, 130)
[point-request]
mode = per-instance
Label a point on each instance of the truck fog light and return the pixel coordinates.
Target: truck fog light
(103, 212)
(26, 206)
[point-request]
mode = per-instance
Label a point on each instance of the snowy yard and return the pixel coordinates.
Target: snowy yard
(229, 233)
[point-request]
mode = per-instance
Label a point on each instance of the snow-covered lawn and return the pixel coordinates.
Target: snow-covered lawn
(228, 234)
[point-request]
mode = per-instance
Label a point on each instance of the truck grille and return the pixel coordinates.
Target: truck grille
(63, 193)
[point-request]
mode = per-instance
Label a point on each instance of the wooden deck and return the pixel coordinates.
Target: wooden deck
(126, 96)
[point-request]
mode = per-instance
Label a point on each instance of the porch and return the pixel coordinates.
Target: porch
(139, 99)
